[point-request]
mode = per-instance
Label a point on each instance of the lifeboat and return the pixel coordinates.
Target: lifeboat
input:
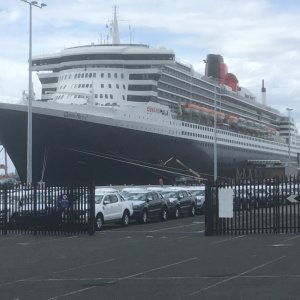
(204, 111)
(220, 116)
(242, 123)
(196, 109)
(232, 120)
(191, 109)
(211, 113)
(251, 125)
(186, 109)
(257, 127)
(260, 127)
(271, 130)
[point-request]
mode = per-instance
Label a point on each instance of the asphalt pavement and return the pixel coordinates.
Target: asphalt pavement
(160, 260)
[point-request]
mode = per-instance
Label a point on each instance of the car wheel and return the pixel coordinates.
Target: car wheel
(99, 222)
(144, 218)
(164, 214)
(193, 211)
(125, 219)
(177, 213)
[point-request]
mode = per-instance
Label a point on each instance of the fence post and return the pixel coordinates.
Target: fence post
(34, 186)
(91, 229)
(208, 210)
(6, 214)
(211, 209)
(276, 205)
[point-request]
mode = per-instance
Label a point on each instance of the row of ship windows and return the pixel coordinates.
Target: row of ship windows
(197, 135)
(202, 143)
(101, 96)
(187, 78)
(224, 140)
(194, 126)
(90, 75)
(189, 86)
(210, 137)
(89, 85)
(175, 96)
(219, 139)
(96, 96)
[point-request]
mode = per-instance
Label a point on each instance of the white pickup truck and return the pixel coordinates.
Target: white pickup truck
(110, 207)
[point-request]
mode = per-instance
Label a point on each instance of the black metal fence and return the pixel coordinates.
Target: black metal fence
(34, 209)
(239, 207)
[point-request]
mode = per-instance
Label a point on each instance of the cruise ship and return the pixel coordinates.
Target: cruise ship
(126, 113)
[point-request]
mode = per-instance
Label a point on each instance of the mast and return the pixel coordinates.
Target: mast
(115, 28)
(263, 93)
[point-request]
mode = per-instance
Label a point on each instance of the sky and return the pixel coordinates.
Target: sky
(259, 39)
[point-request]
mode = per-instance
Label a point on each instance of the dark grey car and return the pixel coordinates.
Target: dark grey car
(181, 202)
(148, 205)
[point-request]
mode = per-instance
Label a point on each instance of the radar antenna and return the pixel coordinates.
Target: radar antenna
(115, 28)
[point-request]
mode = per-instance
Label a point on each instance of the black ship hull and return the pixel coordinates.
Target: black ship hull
(75, 151)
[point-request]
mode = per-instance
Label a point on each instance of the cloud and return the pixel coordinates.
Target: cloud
(259, 39)
(9, 16)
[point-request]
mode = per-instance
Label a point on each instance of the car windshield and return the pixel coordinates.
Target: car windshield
(124, 194)
(98, 199)
(169, 194)
(198, 192)
(136, 197)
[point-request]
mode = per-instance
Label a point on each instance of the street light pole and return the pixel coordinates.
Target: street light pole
(289, 111)
(29, 118)
(215, 135)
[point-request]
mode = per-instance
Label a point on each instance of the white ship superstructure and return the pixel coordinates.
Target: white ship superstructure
(113, 73)
(117, 75)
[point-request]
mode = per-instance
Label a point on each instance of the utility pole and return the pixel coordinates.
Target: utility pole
(30, 94)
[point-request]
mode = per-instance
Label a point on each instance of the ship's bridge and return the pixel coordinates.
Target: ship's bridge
(112, 73)
(126, 54)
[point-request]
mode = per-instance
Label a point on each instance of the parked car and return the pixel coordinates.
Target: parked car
(199, 193)
(105, 189)
(181, 202)
(253, 197)
(24, 211)
(148, 205)
(155, 188)
(4, 211)
(111, 207)
(125, 192)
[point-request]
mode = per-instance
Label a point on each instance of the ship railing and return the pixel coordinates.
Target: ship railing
(236, 130)
(110, 45)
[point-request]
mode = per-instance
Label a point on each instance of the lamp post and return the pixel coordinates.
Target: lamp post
(289, 111)
(215, 135)
(29, 118)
